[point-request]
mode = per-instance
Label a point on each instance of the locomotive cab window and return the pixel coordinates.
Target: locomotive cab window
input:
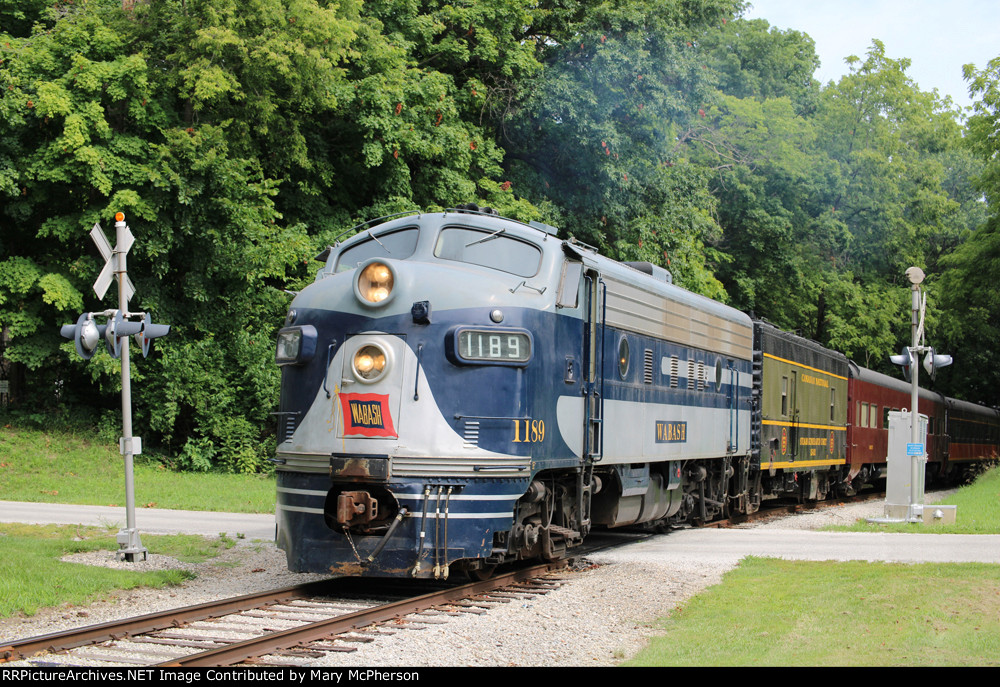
(397, 245)
(569, 285)
(493, 249)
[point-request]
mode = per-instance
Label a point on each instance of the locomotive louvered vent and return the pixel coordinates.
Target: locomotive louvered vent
(701, 376)
(647, 367)
(675, 368)
(290, 422)
(692, 369)
(471, 435)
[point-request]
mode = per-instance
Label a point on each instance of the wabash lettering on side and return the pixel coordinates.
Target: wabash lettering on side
(367, 415)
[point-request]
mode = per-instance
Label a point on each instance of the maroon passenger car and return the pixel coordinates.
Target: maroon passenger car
(958, 433)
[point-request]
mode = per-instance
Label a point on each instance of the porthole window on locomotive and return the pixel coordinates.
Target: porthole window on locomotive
(623, 356)
(718, 374)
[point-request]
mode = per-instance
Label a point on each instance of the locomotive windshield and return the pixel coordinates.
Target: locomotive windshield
(493, 249)
(398, 245)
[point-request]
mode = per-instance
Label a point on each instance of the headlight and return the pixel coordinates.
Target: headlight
(375, 282)
(296, 345)
(369, 363)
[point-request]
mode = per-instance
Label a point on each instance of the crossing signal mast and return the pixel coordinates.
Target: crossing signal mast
(916, 451)
(87, 334)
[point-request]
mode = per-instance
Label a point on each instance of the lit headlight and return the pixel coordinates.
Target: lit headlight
(375, 282)
(296, 345)
(369, 363)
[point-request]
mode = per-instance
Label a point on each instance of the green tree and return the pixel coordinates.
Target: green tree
(95, 122)
(237, 139)
(594, 138)
(752, 59)
(970, 301)
(823, 210)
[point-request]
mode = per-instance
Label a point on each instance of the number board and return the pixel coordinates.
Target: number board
(492, 346)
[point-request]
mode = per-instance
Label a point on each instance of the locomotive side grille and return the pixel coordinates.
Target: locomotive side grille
(692, 368)
(471, 435)
(674, 369)
(647, 366)
(460, 466)
(701, 376)
(303, 462)
(288, 422)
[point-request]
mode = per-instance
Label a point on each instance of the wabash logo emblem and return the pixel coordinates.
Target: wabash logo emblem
(671, 432)
(367, 415)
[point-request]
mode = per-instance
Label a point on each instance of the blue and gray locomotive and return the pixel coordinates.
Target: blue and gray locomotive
(461, 390)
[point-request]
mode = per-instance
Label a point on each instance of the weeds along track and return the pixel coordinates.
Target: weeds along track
(283, 627)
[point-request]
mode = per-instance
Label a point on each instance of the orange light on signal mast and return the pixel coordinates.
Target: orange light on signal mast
(119, 216)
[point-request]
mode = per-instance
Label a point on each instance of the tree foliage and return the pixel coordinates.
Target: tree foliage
(239, 139)
(967, 289)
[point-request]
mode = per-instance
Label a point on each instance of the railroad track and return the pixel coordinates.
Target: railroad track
(778, 508)
(284, 627)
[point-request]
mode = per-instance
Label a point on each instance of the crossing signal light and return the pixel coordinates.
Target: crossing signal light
(932, 361)
(118, 329)
(905, 359)
(148, 332)
(86, 334)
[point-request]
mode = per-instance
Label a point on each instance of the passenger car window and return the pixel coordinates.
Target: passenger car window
(491, 249)
(397, 245)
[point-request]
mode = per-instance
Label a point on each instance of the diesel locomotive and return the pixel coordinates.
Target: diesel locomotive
(461, 390)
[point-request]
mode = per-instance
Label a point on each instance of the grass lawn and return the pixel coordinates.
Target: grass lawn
(978, 512)
(32, 576)
(62, 467)
(770, 612)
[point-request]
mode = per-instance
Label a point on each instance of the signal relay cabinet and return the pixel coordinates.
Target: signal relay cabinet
(904, 472)
(904, 488)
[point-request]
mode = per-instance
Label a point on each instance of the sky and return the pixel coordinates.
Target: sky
(939, 36)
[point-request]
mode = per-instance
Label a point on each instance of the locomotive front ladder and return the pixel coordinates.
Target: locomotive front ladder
(594, 381)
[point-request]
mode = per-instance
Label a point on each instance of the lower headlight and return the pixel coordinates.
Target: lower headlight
(369, 363)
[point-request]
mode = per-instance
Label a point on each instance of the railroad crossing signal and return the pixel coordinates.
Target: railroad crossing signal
(86, 334)
(111, 259)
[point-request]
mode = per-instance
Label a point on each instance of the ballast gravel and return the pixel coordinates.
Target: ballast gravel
(602, 614)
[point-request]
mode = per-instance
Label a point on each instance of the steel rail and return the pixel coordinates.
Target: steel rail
(118, 629)
(286, 639)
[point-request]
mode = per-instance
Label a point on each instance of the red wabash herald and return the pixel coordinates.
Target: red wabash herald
(367, 415)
